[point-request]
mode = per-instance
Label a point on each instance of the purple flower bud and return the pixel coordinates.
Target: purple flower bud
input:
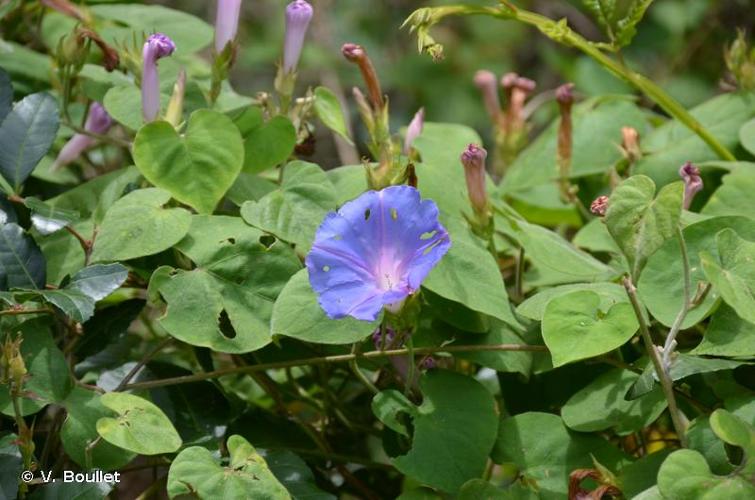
(414, 130)
(226, 23)
(428, 363)
(156, 47)
(508, 81)
(486, 82)
(387, 343)
(97, 122)
(693, 183)
(473, 159)
(298, 15)
(565, 94)
(599, 206)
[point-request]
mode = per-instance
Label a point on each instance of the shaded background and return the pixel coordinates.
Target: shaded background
(679, 44)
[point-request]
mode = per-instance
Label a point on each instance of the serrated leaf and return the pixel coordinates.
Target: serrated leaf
(140, 426)
(26, 135)
(22, 264)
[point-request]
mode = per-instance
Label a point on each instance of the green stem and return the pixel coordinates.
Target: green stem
(339, 358)
(677, 418)
(670, 344)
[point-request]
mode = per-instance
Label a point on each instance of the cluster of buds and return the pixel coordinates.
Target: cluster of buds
(740, 61)
(510, 122)
(12, 366)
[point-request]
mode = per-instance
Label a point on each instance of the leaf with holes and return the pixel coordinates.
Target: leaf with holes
(22, 264)
(196, 471)
(574, 326)
(139, 426)
(198, 168)
(733, 273)
(137, 225)
(227, 301)
(295, 210)
(26, 134)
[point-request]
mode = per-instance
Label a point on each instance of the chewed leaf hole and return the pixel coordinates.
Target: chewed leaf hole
(224, 323)
(394, 214)
(427, 235)
(326, 268)
(266, 240)
(367, 214)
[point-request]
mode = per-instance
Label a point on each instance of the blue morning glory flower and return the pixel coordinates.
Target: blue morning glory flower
(375, 251)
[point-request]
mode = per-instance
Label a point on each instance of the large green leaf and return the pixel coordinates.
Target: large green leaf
(227, 301)
(685, 475)
(733, 272)
(22, 264)
(550, 252)
(601, 405)
(734, 195)
(329, 111)
(294, 211)
(747, 136)
(673, 143)
(468, 274)
(661, 286)
(91, 284)
(297, 314)
(49, 380)
(139, 426)
(534, 307)
(11, 465)
(247, 475)
(269, 144)
(727, 335)
(295, 475)
(574, 326)
(545, 452)
(137, 225)
(26, 135)
(640, 223)
(83, 409)
(124, 105)
(198, 168)
(454, 431)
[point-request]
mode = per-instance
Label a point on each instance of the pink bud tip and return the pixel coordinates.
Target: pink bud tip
(565, 93)
(599, 206)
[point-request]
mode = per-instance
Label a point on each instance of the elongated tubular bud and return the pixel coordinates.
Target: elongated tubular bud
(156, 47)
(298, 15)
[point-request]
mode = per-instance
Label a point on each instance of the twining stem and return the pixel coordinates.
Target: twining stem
(339, 358)
(670, 344)
(561, 33)
(677, 418)
(146, 359)
(358, 372)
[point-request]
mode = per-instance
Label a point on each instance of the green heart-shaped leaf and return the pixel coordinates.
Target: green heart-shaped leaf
(198, 168)
(733, 276)
(575, 328)
(140, 426)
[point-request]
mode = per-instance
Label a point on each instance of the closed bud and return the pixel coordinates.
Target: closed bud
(693, 183)
(226, 23)
(486, 82)
(473, 158)
(156, 47)
(298, 15)
(174, 113)
(630, 143)
(599, 206)
(98, 122)
(414, 130)
(358, 55)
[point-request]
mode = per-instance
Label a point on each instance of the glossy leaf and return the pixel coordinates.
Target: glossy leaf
(22, 264)
(6, 95)
(26, 134)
